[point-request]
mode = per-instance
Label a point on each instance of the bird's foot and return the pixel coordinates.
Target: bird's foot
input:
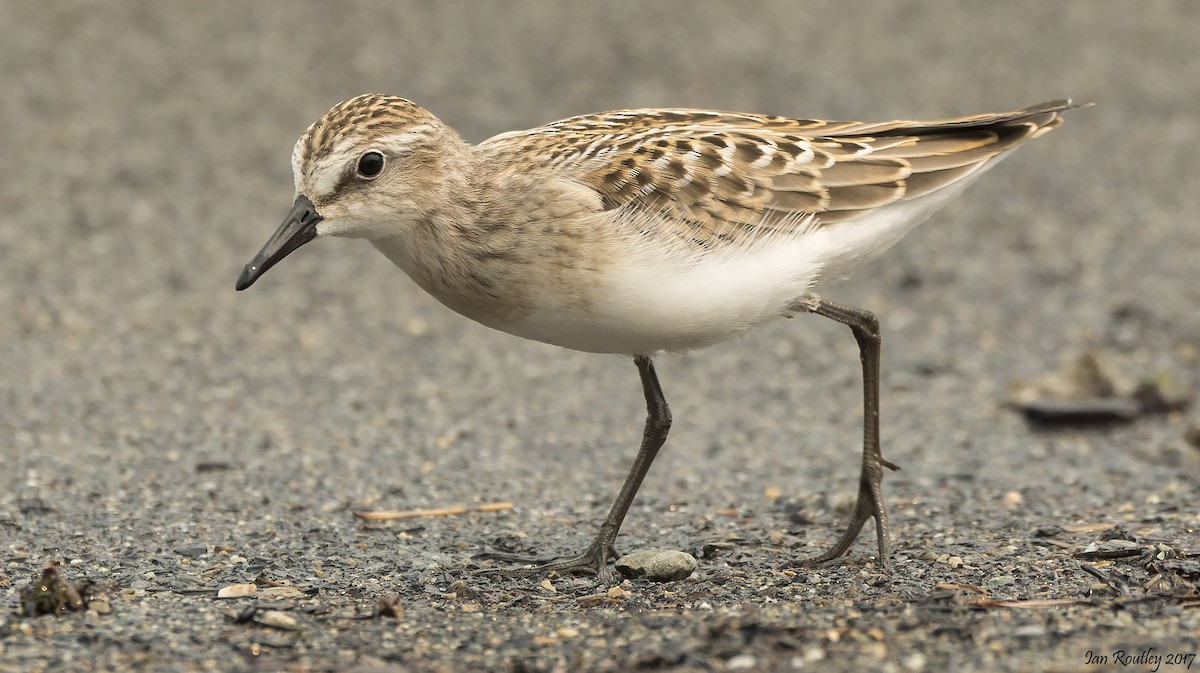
(593, 561)
(869, 505)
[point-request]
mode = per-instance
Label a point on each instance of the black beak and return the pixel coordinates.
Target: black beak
(298, 228)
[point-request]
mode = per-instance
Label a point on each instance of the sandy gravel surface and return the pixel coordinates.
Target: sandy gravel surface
(163, 436)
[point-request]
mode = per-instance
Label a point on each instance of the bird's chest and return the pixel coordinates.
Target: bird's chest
(498, 287)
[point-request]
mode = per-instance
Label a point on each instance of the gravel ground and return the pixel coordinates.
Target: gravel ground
(164, 437)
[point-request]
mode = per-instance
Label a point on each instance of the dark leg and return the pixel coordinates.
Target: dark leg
(865, 327)
(594, 559)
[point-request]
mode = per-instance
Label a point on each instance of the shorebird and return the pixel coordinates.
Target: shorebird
(639, 232)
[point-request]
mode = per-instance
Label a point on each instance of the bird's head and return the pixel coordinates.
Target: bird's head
(372, 167)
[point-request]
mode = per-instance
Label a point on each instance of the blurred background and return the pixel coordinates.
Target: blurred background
(145, 156)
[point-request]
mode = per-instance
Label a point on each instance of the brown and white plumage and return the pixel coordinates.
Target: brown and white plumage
(640, 231)
(725, 171)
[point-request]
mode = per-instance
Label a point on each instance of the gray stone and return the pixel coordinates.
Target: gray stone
(657, 565)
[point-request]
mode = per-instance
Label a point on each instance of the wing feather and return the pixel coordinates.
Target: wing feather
(721, 176)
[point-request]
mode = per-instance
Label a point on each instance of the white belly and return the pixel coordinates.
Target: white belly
(649, 301)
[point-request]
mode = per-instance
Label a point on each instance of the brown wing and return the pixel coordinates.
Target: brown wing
(726, 175)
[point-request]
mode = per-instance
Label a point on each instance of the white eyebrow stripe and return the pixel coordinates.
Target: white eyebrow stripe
(324, 176)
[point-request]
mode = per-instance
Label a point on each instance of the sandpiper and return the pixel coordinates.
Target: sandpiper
(639, 232)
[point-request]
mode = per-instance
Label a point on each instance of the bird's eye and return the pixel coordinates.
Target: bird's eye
(370, 164)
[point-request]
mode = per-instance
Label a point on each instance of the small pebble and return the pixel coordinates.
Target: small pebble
(236, 591)
(1109, 549)
(1029, 631)
(741, 662)
(618, 594)
(277, 619)
(657, 565)
(1013, 498)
